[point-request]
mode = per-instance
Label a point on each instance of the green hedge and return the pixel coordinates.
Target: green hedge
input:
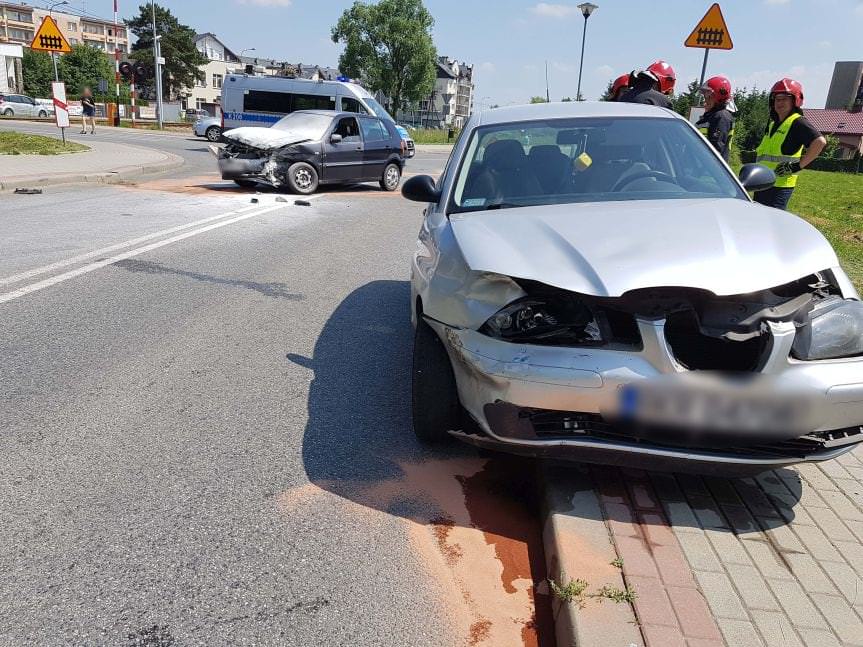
(854, 165)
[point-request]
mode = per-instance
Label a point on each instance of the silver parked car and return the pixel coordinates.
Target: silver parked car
(209, 127)
(20, 105)
(592, 282)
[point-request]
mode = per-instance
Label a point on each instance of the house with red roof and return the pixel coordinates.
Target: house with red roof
(846, 126)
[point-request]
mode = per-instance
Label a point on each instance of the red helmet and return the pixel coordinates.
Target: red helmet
(619, 84)
(662, 73)
(720, 86)
(788, 86)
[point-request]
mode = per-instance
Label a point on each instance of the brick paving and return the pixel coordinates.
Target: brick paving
(775, 560)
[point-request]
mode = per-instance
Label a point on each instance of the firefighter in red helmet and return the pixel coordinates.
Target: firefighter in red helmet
(620, 85)
(790, 142)
(652, 86)
(717, 122)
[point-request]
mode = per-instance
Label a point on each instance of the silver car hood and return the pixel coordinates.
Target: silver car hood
(264, 138)
(726, 246)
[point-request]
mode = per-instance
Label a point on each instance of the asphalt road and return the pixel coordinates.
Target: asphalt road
(205, 428)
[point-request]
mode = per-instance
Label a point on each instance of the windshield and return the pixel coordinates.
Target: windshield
(304, 124)
(587, 160)
(378, 109)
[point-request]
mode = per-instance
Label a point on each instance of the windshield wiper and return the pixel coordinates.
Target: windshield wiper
(502, 205)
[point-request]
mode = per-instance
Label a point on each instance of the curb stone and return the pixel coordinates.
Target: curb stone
(578, 546)
(106, 177)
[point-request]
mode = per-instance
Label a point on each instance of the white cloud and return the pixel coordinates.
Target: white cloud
(267, 3)
(859, 10)
(487, 67)
(604, 71)
(825, 44)
(553, 10)
(563, 67)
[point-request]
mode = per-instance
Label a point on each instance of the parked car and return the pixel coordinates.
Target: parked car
(311, 147)
(20, 105)
(209, 127)
(610, 293)
(196, 113)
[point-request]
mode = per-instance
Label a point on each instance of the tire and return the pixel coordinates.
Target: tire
(42, 114)
(213, 133)
(436, 408)
(246, 184)
(303, 178)
(8, 112)
(391, 177)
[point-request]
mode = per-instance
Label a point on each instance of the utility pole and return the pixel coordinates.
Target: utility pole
(116, 65)
(157, 56)
(547, 95)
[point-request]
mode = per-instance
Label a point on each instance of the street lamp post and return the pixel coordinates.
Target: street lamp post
(586, 9)
(157, 58)
(242, 51)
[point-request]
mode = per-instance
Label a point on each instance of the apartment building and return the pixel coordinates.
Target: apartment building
(451, 102)
(19, 22)
(221, 61)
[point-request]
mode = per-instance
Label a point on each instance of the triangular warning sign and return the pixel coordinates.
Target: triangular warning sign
(711, 32)
(49, 38)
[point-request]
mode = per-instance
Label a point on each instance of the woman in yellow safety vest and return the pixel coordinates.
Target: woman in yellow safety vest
(790, 143)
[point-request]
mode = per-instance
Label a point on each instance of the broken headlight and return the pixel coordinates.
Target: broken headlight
(834, 330)
(540, 321)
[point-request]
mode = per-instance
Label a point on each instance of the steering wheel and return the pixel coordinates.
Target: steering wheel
(659, 175)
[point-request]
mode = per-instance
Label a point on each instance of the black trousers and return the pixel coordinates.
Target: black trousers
(775, 197)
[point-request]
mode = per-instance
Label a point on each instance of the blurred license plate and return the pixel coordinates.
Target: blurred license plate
(712, 404)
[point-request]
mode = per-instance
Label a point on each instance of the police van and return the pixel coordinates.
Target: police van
(249, 100)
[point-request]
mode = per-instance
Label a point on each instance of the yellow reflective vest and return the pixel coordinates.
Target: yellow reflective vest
(769, 151)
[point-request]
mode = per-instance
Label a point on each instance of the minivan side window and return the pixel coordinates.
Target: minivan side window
(313, 102)
(275, 102)
(352, 105)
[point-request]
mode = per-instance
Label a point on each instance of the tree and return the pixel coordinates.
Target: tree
(833, 150)
(182, 59)
(538, 99)
(84, 66)
(566, 100)
(681, 103)
(38, 72)
(389, 45)
(608, 95)
(753, 113)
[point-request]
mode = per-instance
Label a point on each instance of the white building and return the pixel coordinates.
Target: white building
(206, 93)
(451, 102)
(10, 68)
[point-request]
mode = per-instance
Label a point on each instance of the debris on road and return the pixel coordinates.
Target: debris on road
(29, 191)
(254, 201)
(302, 203)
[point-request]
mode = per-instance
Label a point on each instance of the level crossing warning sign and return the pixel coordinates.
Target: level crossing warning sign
(49, 38)
(711, 32)
(61, 108)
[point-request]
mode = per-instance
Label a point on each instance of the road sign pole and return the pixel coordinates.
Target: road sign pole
(703, 68)
(57, 78)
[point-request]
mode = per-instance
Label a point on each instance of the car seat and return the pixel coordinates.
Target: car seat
(505, 174)
(551, 167)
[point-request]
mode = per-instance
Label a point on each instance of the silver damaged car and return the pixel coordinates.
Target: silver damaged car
(592, 282)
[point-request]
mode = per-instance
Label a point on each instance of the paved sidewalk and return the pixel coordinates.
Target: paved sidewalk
(105, 162)
(774, 561)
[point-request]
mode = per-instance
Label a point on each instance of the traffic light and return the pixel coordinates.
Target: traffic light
(135, 72)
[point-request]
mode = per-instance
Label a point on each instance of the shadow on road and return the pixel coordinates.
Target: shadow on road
(358, 445)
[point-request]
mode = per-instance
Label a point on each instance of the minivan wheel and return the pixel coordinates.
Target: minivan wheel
(303, 178)
(391, 177)
(213, 133)
(8, 112)
(436, 407)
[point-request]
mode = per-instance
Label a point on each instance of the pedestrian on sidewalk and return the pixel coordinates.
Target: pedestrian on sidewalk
(88, 111)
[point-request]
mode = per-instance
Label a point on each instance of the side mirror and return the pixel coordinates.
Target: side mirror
(335, 139)
(421, 188)
(755, 177)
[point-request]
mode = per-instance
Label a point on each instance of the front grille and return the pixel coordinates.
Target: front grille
(548, 425)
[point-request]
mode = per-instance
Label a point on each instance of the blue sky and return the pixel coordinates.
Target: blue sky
(509, 40)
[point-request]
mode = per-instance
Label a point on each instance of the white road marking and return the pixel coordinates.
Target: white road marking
(59, 278)
(17, 278)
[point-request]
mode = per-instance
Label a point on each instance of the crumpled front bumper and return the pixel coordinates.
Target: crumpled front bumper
(499, 381)
(233, 168)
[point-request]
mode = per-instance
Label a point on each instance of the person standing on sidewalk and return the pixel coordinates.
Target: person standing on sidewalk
(88, 111)
(782, 148)
(717, 122)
